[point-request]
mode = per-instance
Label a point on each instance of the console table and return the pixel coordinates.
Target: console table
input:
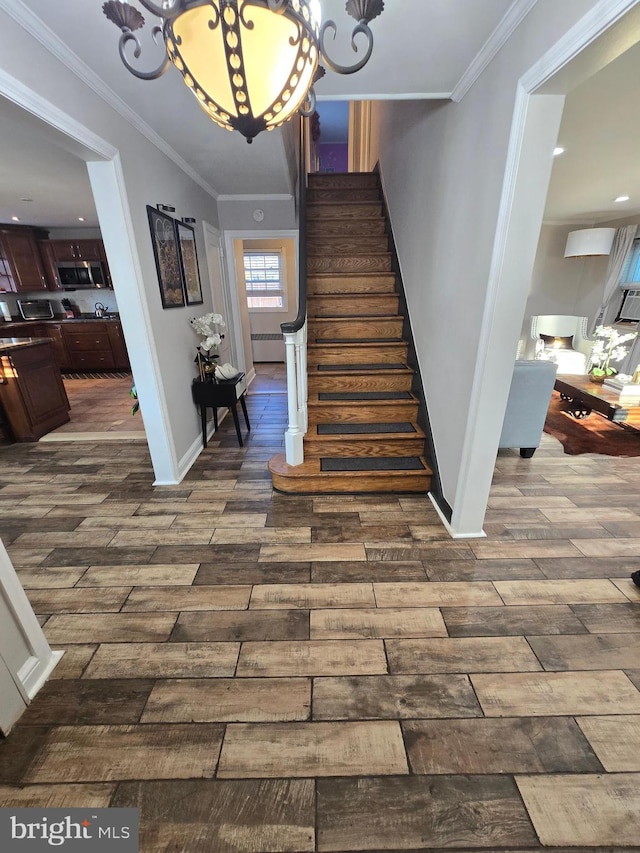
(212, 395)
(585, 396)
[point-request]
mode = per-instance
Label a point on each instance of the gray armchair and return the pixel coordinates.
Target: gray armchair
(531, 388)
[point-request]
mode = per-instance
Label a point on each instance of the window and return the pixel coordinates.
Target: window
(630, 276)
(265, 281)
(631, 269)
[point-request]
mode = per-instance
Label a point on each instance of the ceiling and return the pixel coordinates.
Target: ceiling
(421, 54)
(600, 131)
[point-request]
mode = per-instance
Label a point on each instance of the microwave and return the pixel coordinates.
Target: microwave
(74, 275)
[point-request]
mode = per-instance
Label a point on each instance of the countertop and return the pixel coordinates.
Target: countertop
(9, 344)
(91, 318)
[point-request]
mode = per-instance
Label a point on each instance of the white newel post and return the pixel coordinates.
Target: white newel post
(26, 659)
(295, 347)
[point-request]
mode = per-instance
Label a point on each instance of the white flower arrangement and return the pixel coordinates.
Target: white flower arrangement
(207, 350)
(607, 349)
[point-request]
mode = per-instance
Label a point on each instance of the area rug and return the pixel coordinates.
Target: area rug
(594, 434)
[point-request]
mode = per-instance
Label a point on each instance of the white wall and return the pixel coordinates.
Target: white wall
(443, 169)
(160, 342)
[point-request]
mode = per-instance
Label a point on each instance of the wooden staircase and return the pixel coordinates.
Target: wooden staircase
(363, 433)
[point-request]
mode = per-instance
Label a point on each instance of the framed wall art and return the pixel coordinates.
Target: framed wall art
(189, 258)
(167, 256)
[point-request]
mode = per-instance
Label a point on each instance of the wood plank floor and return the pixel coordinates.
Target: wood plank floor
(260, 672)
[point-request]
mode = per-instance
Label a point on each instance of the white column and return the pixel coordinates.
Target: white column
(294, 452)
(26, 658)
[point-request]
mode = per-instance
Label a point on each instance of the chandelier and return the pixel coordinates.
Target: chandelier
(251, 64)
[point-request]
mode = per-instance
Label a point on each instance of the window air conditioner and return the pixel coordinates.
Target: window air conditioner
(630, 308)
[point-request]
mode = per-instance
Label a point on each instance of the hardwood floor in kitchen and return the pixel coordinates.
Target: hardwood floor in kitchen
(259, 672)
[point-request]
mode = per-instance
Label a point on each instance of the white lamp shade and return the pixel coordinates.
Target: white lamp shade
(589, 241)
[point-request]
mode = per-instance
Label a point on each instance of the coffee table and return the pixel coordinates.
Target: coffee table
(585, 396)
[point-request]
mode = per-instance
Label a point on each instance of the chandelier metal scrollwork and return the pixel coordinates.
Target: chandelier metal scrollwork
(251, 64)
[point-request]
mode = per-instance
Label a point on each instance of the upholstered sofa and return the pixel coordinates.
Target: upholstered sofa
(531, 388)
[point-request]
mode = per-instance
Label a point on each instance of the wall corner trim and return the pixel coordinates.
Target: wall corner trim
(452, 533)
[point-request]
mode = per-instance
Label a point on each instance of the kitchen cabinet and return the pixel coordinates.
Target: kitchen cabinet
(32, 394)
(95, 345)
(21, 267)
(49, 263)
(78, 250)
(54, 332)
(118, 346)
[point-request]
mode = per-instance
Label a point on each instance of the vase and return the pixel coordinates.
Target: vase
(597, 379)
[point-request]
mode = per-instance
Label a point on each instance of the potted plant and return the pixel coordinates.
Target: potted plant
(607, 348)
(207, 350)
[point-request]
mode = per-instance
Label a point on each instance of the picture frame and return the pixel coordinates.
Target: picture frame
(166, 252)
(189, 262)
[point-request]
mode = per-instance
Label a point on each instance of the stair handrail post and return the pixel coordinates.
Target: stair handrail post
(293, 439)
(301, 362)
(295, 331)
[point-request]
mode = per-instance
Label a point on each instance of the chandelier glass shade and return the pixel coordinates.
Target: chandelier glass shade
(251, 64)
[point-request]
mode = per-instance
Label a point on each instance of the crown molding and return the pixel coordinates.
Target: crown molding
(395, 96)
(512, 18)
(36, 27)
(16, 92)
(593, 24)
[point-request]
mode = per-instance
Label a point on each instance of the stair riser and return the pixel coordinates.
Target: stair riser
(345, 246)
(346, 483)
(343, 227)
(315, 448)
(336, 306)
(330, 329)
(332, 383)
(400, 411)
(344, 211)
(349, 263)
(335, 181)
(346, 194)
(318, 285)
(371, 354)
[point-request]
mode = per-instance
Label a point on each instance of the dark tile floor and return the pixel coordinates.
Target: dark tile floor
(258, 672)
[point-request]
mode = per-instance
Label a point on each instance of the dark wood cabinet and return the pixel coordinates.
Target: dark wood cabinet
(118, 346)
(32, 394)
(49, 263)
(54, 332)
(78, 250)
(21, 269)
(95, 345)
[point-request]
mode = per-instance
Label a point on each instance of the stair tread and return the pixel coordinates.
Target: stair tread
(340, 404)
(364, 395)
(358, 340)
(310, 468)
(362, 369)
(326, 318)
(372, 465)
(337, 431)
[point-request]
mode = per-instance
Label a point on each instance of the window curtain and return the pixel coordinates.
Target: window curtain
(633, 359)
(611, 296)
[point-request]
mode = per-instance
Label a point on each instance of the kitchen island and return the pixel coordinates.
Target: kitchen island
(32, 395)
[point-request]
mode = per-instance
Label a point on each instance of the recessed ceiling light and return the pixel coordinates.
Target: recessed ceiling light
(81, 219)
(622, 198)
(558, 150)
(15, 219)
